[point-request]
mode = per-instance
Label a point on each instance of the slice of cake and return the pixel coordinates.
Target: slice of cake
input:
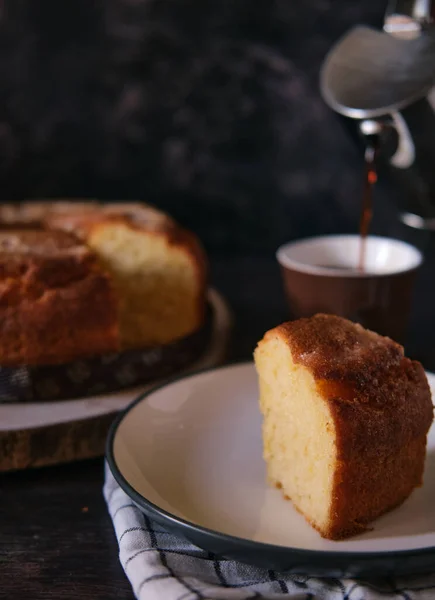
(345, 420)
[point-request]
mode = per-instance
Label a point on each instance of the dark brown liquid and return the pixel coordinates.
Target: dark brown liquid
(338, 267)
(370, 179)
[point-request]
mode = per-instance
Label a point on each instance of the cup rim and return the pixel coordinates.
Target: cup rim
(290, 263)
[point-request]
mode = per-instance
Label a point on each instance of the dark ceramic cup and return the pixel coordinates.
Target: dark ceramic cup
(321, 275)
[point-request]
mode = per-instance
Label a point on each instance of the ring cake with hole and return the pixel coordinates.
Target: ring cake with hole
(96, 296)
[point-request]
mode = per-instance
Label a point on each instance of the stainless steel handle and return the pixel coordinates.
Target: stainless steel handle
(408, 18)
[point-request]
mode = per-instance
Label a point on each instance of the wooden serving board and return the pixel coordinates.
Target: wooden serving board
(40, 434)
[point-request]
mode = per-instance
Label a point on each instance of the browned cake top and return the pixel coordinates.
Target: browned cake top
(32, 214)
(363, 375)
(333, 347)
(82, 219)
(76, 213)
(15, 242)
(34, 261)
(135, 216)
(142, 214)
(81, 222)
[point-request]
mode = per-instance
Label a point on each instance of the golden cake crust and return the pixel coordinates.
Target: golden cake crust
(49, 282)
(83, 220)
(139, 217)
(382, 409)
(31, 215)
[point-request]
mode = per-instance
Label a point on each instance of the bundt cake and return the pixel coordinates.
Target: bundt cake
(345, 420)
(56, 302)
(158, 269)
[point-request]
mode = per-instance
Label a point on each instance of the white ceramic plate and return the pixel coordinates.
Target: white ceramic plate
(190, 455)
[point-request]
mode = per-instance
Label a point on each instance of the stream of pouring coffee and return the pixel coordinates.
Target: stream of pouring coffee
(370, 178)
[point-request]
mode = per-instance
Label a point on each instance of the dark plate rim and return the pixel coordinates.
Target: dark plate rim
(243, 543)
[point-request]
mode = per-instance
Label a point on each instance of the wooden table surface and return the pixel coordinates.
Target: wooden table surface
(56, 539)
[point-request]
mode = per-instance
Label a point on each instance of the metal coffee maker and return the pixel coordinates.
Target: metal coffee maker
(385, 79)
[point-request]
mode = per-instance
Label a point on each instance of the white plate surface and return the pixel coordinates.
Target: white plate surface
(194, 449)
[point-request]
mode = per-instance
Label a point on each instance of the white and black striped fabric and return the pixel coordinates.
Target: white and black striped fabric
(162, 566)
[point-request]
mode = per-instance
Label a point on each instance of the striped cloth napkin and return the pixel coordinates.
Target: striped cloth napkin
(163, 566)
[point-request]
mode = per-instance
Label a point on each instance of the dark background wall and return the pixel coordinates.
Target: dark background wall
(208, 108)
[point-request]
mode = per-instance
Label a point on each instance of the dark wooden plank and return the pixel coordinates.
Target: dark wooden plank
(56, 538)
(60, 443)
